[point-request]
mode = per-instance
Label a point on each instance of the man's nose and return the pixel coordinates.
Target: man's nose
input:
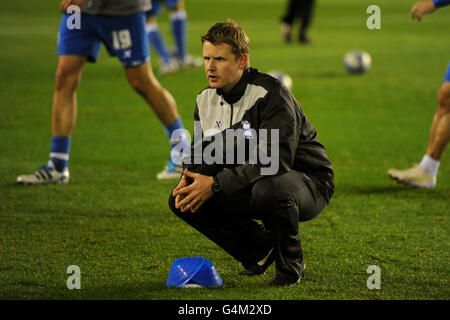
(211, 65)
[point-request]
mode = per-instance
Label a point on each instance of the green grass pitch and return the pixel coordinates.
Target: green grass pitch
(113, 220)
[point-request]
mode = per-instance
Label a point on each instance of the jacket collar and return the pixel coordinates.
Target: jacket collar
(237, 91)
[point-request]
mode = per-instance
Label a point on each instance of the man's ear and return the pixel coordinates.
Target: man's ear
(243, 60)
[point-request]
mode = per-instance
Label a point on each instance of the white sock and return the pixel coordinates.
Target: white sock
(430, 165)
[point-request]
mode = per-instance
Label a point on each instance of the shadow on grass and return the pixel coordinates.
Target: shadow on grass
(156, 289)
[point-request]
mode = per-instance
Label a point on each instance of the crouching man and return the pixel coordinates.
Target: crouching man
(248, 191)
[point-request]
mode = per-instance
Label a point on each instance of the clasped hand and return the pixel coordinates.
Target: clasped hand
(192, 196)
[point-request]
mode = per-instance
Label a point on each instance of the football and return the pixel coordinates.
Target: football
(357, 61)
(283, 77)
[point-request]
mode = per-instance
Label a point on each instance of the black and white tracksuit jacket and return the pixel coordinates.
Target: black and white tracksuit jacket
(262, 102)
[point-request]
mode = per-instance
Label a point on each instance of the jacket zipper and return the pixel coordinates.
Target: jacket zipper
(231, 116)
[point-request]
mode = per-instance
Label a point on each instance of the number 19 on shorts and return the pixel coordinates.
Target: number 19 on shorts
(121, 39)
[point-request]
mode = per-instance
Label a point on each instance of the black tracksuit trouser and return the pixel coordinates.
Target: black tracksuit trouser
(279, 202)
(301, 9)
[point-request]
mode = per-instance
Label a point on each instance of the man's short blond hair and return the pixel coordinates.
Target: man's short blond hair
(232, 34)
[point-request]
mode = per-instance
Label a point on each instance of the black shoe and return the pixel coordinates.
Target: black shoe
(257, 269)
(304, 40)
(280, 281)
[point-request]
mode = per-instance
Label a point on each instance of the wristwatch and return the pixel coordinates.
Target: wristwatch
(216, 185)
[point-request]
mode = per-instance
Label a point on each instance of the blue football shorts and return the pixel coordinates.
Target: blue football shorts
(447, 74)
(156, 7)
(124, 37)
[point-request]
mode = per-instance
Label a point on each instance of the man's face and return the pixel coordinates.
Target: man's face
(223, 69)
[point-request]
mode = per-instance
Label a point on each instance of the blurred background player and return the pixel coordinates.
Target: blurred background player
(424, 175)
(178, 19)
(120, 26)
(303, 10)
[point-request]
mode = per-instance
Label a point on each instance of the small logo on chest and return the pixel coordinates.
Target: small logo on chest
(247, 132)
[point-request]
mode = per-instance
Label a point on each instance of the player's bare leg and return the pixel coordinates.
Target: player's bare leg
(64, 115)
(67, 78)
(440, 127)
(424, 175)
(142, 79)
